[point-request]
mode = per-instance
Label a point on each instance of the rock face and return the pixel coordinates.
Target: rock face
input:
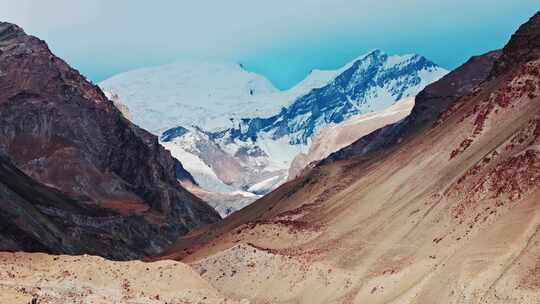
(444, 209)
(102, 185)
(523, 46)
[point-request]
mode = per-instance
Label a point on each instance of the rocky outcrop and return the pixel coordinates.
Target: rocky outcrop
(115, 188)
(522, 47)
(119, 104)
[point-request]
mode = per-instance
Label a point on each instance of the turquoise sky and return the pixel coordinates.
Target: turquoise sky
(281, 39)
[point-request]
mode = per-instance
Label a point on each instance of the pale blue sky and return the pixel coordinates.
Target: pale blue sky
(281, 39)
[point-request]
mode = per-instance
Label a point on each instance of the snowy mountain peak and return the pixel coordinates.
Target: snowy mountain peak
(398, 75)
(372, 82)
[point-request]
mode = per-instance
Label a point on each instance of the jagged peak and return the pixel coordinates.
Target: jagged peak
(375, 53)
(378, 55)
(361, 58)
(9, 31)
(386, 60)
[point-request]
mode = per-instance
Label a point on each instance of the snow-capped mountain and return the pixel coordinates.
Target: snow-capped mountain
(234, 131)
(372, 83)
(228, 180)
(216, 166)
(204, 94)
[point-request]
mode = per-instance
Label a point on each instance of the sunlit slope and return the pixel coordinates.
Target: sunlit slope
(448, 214)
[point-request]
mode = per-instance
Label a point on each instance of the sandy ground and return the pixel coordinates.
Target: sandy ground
(52, 279)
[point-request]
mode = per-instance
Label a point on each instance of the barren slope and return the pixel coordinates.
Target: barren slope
(52, 279)
(444, 209)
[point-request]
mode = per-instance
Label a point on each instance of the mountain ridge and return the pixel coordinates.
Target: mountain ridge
(349, 92)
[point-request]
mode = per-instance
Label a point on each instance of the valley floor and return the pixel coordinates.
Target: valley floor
(47, 279)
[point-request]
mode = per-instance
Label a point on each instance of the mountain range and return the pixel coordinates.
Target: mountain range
(439, 206)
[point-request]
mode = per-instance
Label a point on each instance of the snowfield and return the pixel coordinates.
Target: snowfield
(204, 94)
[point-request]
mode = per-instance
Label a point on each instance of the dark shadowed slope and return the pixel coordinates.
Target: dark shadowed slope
(62, 132)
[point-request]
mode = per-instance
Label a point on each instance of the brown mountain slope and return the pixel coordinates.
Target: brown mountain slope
(91, 181)
(430, 103)
(446, 212)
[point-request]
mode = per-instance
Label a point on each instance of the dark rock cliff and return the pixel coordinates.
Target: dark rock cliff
(522, 47)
